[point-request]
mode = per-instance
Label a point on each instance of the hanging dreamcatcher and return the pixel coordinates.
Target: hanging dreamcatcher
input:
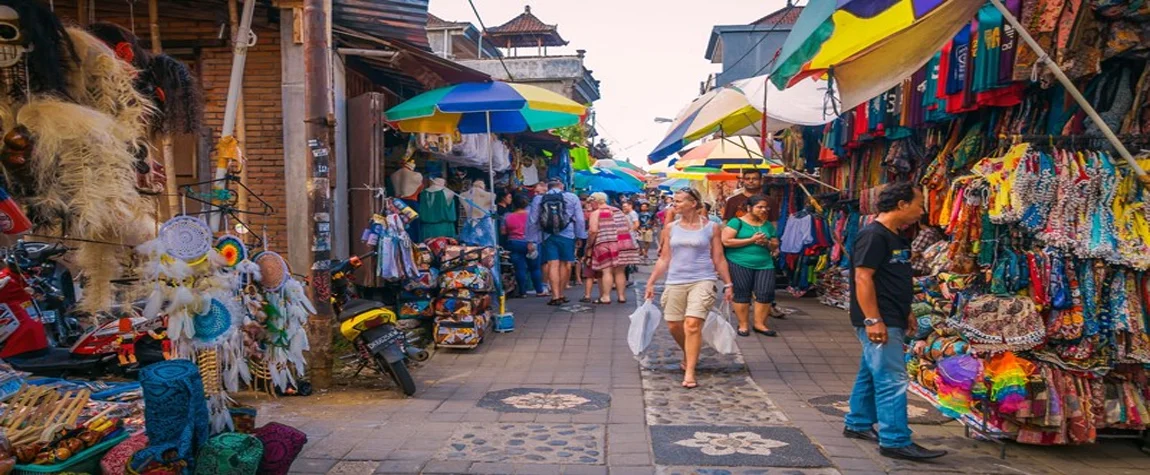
(282, 313)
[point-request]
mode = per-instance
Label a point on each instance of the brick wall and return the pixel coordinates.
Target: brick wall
(262, 103)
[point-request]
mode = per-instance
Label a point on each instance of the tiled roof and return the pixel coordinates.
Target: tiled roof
(436, 22)
(524, 23)
(785, 16)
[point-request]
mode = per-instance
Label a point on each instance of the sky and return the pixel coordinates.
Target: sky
(648, 55)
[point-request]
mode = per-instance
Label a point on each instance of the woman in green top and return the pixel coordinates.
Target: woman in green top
(751, 244)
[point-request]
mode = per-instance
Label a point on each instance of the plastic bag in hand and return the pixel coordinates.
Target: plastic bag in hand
(718, 332)
(644, 323)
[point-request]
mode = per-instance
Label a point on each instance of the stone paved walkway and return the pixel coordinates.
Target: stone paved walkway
(564, 395)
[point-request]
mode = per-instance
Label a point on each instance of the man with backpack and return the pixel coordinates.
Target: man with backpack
(555, 221)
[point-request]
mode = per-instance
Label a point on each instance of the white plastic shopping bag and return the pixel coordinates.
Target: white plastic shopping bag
(718, 332)
(644, 323)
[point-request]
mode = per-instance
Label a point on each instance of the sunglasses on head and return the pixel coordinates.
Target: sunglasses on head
(691, 191)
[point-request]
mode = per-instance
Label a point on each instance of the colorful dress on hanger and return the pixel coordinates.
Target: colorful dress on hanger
(437, 214)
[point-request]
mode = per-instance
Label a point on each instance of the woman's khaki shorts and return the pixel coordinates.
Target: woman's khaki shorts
(682, 300)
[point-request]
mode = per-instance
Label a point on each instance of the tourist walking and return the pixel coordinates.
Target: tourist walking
(736, 204)
(610, 248)
(881, 293)
(691, 258)
(555, 221)
(524, 253)
(646, 229)
(751, 243)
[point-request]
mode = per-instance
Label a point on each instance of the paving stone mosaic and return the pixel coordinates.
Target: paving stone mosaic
(664, 354)
(353, 468)
(918, 411)
(545, 401)
(720, 399)
(745, 471)
(579, 444)
(728, 446)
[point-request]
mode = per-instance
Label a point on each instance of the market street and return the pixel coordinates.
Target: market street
(563, 394)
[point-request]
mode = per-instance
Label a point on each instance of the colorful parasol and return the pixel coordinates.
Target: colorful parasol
(492, 107)
(724, 151)
(867, 46)
(620, 164)
(737, 109)
(605, 182)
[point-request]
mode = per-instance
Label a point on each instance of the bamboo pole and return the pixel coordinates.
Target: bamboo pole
(166, 149)
(1074, 92)
(241, 119)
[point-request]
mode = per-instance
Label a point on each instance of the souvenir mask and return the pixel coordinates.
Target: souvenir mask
(12, 47)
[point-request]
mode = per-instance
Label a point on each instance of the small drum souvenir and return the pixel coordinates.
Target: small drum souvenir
(187, 238)
(273, 270)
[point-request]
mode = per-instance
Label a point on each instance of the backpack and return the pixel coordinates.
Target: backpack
(553, 216)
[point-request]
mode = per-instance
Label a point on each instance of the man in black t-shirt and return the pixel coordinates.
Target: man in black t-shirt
(881, 293)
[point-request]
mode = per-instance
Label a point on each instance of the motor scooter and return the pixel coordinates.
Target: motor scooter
(370, 326)
(52, 286)
(24, 343)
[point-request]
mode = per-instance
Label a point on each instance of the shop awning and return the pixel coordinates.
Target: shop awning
(400, 20)
(410, 70)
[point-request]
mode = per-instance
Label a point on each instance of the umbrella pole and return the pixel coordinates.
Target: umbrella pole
(494, 210)
(1069, 85)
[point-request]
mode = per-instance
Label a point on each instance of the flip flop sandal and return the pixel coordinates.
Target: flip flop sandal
(623, 301)
(690, 384)
(585, 300)
(743, 332)
(767, 332)
(600, 302)
(555, 303)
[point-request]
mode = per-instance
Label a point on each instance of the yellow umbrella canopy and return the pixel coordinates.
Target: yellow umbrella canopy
(730, 153)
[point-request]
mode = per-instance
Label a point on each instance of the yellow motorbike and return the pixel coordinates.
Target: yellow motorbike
(370, 326)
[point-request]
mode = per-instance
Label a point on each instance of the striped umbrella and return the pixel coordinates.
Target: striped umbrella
(489, 107)
(872, 45)
(738, 109)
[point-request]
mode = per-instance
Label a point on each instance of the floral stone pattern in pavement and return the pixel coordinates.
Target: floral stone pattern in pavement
(526, 443)
(545, 401)
(917, 411)
(735, 447)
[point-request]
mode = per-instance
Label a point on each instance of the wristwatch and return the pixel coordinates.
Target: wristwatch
(871, 321)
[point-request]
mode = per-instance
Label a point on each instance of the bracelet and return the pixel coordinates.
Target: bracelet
(727, 286)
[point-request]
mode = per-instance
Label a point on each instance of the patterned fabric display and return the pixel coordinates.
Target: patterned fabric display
(175, 412)
(994, 323)
(115, 462)
(476, 278)
(230, 453)
(282, 444)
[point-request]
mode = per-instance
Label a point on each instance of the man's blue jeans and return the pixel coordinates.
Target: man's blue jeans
(879, 395)
(524, 267)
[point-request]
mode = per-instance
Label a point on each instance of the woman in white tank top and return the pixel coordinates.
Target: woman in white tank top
(691, 255)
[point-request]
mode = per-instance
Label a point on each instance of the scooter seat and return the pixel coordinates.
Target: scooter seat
(52, 362)
(358, 306)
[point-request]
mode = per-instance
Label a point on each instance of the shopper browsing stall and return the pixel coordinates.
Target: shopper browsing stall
(555, 221)
(751, 243)
(646, 229)
(692, 258)
(524, 253)
(881, 294)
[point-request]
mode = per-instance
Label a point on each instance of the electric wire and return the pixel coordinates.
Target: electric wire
(483, 34)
